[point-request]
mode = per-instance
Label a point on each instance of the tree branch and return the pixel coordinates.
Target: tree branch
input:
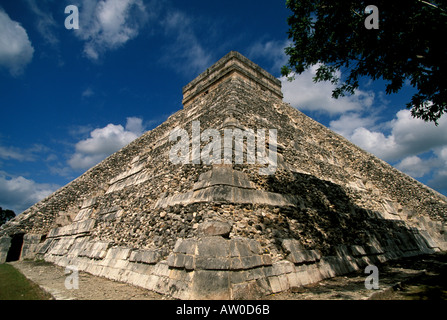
(431, 4)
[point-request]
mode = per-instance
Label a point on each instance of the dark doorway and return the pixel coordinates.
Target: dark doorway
(16, 247)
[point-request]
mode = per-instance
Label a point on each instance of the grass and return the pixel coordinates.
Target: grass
(15, 286)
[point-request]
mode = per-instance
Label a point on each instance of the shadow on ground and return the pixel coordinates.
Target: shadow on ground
(416, 278)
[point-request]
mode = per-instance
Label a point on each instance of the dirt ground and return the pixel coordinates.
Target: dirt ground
(52, 279)
(420, 278)
(415, 278)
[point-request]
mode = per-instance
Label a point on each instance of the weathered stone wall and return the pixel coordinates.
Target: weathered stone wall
(5, 243)
(231, 65)
(328, 209)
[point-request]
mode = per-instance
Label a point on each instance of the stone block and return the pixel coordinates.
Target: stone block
(43, 248)
(266, 260)
(151, 282)
(212, 263)
(283, 282)
(210, 285)
(62, 219)
(176, 260)
(30, 246)
(293, 280)
(326, 268)
(335, 265)
(239, 276)
(304, 256)
(291, 245)
(236, 264)
(162, 285)
(141, 268)
(89, 202)
(342, 251)
(280, 267)
(161, 269)
(358, 251)
(177, 288)
(214, 228)
(255, 273)
(5, 243)
(430, 242)
(250, 290)
(180, 275)
(239, 248)
(145, 256)
(251, 261)
(117, 253)
(275, 284)
(187, 246)
(190, 262)
(254, 246)
(73, 229)
(83, 214)
(78, 246)
(213, 247)
(374, 248)
(314, 273)
(95, 250)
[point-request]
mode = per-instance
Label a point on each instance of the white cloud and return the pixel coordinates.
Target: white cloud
(273, 50)
(16, 50)
(408, 136)
(418, 148)
(347, 123)
(439, 180)
(135, 125)
(415, 166)
(87, 93)
(186, 46)
(12, 153)
(103, 142)
(30, 154)
(109, 24)
(304, 94)
(376, 142)
(19, 193)
(45, 23)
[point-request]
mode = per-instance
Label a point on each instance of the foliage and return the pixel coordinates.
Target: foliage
(408, 45)
(15, 286)
(6, 215)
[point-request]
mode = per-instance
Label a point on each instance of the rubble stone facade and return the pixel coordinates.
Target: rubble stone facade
(196, 231)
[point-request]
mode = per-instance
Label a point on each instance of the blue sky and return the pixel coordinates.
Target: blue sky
(69, 98)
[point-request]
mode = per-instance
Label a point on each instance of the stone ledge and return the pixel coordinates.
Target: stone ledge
(145, 256)
(225, 193)
(73, 229)
(5, 243)
(217, 253)
(231, 63)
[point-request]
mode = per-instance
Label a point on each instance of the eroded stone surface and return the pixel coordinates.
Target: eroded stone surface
(328, 209)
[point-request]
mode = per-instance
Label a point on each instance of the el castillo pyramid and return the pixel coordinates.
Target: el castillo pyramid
(178, 213)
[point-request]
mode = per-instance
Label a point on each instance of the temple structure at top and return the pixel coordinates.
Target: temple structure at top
(232, 65)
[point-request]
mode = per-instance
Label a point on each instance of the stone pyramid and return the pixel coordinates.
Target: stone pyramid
(238, 195)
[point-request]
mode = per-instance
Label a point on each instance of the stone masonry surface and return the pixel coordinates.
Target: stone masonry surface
(329, 208)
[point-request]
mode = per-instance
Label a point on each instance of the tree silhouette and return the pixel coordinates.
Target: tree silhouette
(408, 45)
(6, 215)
